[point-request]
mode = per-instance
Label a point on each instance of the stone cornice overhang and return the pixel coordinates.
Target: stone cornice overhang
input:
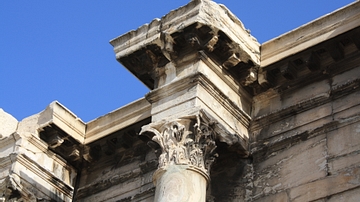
(200, 25)
(304, 55)
(68, 136)
(63, 132)
(58, 115)
(311, 52)
(318, 52)
(117, 120)
(318, 63)
(311, 34)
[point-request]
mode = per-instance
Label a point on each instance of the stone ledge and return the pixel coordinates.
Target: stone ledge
(25, 165)
(117, 120)
(179, 35)
(63, 118)
(175, 21)
(313, 33)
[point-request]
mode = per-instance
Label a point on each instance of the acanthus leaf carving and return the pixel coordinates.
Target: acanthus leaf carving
(185, 141)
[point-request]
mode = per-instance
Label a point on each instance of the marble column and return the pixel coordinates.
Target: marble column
(186, 147)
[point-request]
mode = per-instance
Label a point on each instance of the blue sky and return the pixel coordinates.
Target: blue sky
(59, 50)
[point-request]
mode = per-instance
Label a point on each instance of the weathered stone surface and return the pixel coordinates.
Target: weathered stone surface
(8, 124)
(348, 115)
(339, 163)
(294, 122)
(29, 125)
(230, 170)
(121, 174)
(291, 167)
(186, 96)
(344, 140)
(279, 197)
(327, 186)
(345, 77)
(278, 103)
(146, 196)
(306, 92)
(122, 191)
(347, 196)
(180, 183)
(8, 145)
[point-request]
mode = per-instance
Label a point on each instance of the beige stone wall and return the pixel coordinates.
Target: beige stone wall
(307, 142)
(120, 169)
(28, 170)
(121, 180)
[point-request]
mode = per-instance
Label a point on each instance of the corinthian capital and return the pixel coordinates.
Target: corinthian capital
(184, 141)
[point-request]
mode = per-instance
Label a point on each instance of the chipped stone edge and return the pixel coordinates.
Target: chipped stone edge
(176, 20)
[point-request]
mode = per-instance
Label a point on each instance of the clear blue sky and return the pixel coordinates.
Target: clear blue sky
(59, 50)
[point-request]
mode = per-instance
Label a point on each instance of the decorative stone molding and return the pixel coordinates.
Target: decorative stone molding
(185, 141)
(19, 186)
(315, 63)
(177, 37)
(311, 34)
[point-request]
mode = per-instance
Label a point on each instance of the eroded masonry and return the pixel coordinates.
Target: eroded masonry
(226, 119)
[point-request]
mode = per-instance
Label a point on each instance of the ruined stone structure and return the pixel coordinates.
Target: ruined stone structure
(226, 119)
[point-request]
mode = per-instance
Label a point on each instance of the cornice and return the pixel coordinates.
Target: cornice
(63, 118)
(44, 174)
(317, 62)
(233, 83)
(311, 34)
(117, 120)
(198, 11)
(199, 26)
(42, 146)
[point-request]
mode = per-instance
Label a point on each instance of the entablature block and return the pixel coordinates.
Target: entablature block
(177, 37)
